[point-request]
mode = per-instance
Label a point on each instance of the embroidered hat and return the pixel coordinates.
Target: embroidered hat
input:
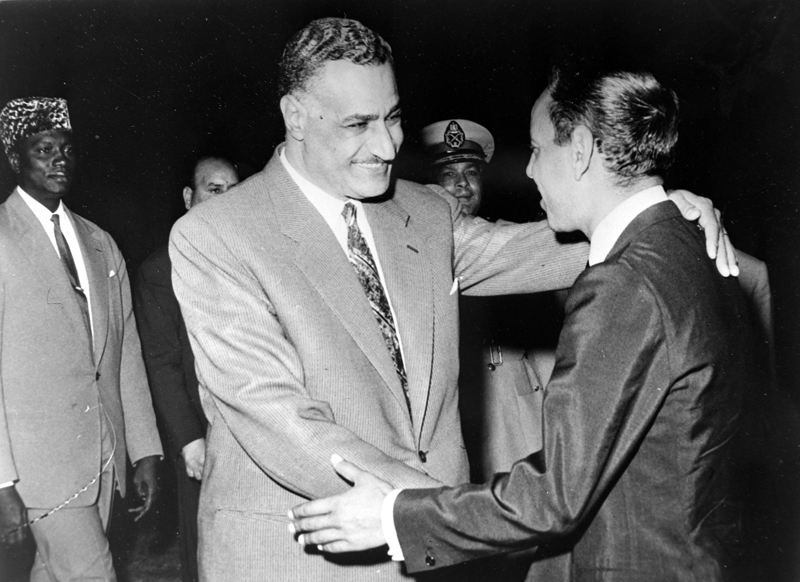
(25, 117)
(457, 140)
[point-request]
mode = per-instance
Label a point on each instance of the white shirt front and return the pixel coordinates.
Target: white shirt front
(68, 230)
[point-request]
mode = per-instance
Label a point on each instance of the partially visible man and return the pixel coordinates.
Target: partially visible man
(504, 361)
(73, 385)
(458, 150)
(169, 361)
(641, 477)
(320, 298)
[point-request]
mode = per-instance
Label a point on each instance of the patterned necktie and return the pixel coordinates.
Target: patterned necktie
(72, 272)
(361, 258)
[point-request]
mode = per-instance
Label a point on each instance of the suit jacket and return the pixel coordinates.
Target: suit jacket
(167, 353)
(640, 426)
(293, 366)
(51, 380)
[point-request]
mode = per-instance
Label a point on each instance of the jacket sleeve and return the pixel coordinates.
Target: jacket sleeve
(504, 258)
(255, 375)
(158, 319)
(141, 433)
(8, 470)
(595, 415)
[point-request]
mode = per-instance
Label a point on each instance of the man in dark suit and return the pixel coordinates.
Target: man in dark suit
(74, 396)
(169, 361)
(639, 477)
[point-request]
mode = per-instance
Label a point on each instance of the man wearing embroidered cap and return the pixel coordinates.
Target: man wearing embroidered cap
(459, 149)
(73, 392)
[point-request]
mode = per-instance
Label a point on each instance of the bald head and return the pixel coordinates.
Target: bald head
(211, 176)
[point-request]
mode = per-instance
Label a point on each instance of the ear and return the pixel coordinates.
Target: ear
(294, 116)
(187, 197)
(582, 145)
(13, 161)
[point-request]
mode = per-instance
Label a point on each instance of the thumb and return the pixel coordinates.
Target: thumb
(346, 469)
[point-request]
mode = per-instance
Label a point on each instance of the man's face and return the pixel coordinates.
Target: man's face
(45, 165)
(550, 168)
(211, 177)
(352, 130)
(464, 180)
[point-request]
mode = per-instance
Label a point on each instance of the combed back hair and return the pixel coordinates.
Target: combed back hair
(633, 118)
(328, 39)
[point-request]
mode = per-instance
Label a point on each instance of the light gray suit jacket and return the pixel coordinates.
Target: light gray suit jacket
(51, 382)
(295, 368)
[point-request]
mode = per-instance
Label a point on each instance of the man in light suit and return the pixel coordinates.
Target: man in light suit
(169, 361)
(321, 305)
(74, 396)
(641, 477)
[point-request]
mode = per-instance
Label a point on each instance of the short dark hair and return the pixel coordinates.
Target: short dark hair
(633, 118)
(191, 176)
(328, 39)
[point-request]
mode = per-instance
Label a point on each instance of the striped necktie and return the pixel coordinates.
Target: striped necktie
(72, 272)
(361, 259)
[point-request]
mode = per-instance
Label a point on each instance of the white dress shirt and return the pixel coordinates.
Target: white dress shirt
(603, 240)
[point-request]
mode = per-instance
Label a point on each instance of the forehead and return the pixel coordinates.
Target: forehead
(461, 166)
(54, 136)
(214, 169)
(354, 89)
(542, 128)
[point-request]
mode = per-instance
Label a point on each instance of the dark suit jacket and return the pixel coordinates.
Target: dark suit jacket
(640, 427)
(293, 366)
(52, 382)
(167, 353)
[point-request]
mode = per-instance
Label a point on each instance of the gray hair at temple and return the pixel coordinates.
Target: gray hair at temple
(633, 118)
(328, 39)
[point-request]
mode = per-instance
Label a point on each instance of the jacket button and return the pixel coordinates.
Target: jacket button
(97, 376)
(423, 456)
(430, 560)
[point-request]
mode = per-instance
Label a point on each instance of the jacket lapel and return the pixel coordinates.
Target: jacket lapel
(90, 241)
(409, 286)
(319, 257)
(44, 260)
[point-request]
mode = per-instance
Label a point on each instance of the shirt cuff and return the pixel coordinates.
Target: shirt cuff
(10, 483)
(387, 524)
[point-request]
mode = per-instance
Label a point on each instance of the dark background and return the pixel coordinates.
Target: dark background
(150, 84)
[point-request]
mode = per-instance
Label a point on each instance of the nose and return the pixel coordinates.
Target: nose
(529, 168)
(386, 141)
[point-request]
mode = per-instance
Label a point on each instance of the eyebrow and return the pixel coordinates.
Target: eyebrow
(365, 117)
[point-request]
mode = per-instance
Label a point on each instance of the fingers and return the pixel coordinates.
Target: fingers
(346, 469)
(312, 508)
(727, 262)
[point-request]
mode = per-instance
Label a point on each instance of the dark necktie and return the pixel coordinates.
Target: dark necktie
(361, 258)
(72, 272)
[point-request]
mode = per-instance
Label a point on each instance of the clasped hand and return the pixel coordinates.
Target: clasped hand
(349, 522)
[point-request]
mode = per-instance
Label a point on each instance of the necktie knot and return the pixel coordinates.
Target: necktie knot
(349, 213)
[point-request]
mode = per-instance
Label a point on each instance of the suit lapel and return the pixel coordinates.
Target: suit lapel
(319, 257)
(44, 260)
(90, 241)
(401, 251)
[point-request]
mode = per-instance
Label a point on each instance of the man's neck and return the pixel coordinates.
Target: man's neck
(609, 198)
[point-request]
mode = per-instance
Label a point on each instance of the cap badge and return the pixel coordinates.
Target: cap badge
(454, 136)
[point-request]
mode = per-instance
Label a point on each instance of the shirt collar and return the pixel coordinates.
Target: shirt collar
(38, 209)
(611, 227)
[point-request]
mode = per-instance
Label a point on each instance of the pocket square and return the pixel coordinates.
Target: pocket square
(111, 273)
(454, 288)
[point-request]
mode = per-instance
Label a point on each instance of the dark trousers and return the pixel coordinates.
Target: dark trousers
(188, 501)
